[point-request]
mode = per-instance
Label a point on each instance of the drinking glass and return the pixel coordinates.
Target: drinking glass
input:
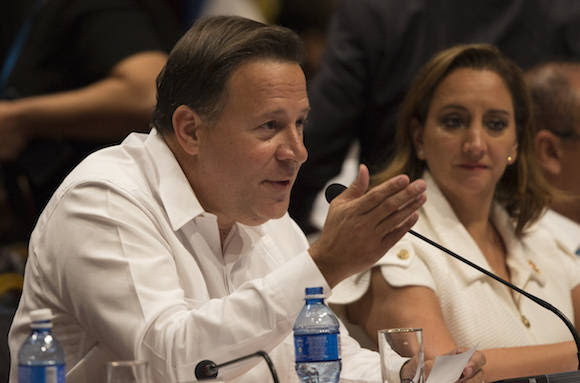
(128, 371)
(408, 343)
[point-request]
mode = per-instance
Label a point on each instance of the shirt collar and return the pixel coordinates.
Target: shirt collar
(567, 233)
(450, 232)
(455, 236)
(175, 192)
(520, 250)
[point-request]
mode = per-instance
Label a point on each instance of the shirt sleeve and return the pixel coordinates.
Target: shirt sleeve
(106, 257)
(404, 266)
(570, 263)
(400, 266)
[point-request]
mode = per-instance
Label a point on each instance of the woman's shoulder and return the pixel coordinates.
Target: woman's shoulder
(401, 266)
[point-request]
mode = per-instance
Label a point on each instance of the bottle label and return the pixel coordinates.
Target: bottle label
(41, 374)
(316, 347)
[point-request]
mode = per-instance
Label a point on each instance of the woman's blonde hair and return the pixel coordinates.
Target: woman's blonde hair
(522, 189)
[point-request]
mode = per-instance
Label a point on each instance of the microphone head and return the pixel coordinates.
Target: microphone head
(206, 369)
(333, 190)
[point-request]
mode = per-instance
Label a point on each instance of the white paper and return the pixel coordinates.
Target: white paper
(448, 368)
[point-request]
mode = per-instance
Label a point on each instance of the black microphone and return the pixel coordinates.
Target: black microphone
(206, 369)
(333, 190)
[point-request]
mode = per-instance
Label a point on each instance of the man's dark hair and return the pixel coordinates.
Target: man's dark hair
(203, 60)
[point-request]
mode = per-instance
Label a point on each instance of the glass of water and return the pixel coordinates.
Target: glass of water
(408, 343)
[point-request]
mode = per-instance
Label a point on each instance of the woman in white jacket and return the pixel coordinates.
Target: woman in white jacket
(466, 128)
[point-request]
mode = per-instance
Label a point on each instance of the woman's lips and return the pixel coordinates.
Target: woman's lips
(473, 166)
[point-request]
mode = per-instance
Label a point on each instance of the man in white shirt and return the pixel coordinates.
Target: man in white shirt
(555, 89)
(176, 247)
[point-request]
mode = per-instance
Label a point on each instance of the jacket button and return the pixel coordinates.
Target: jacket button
(525, 321)
(403, 254)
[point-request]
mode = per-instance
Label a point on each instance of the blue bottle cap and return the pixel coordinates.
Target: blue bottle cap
(313, 290)
(41, 318)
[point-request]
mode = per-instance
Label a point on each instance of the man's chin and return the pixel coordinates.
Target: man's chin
(277, 212)
(266, 216)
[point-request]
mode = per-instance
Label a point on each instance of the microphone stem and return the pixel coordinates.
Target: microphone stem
(534, 298)
(257, 353)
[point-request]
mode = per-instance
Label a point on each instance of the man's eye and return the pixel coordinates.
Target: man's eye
(302, 121)
(270, 125)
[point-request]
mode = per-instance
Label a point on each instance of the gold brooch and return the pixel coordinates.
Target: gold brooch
(534, 267)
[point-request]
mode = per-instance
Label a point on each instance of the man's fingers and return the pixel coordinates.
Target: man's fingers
(396, 219)
(395, 235)
(382, 193)
(358, 187)
(402, 201)
(365, 222)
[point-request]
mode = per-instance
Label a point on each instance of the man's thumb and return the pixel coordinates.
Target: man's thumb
(359, 186)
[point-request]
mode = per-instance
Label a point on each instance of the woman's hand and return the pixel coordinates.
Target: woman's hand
(473, 372)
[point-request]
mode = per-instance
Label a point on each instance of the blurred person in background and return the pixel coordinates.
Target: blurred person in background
(310, 19)
(76, 75)
(555, 90)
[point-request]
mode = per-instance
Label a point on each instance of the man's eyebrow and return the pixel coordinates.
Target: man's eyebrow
(279, 111)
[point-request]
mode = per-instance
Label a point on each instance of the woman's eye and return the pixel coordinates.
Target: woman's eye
(496, 125)
(452, 122)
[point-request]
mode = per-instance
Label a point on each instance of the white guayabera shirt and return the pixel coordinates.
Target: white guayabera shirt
(132, 268)
(566, 231)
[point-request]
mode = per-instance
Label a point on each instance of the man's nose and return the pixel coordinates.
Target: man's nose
(292, 147)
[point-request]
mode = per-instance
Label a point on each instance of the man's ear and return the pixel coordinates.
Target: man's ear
(417, 134)
(186, 125)
(549, 152)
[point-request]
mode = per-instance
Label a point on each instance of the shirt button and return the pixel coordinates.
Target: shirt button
(525, 321)
(403, 254)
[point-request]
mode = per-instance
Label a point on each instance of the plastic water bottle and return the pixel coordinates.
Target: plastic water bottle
(317, 341)
(41, 357)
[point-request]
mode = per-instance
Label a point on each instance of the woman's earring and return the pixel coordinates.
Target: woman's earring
(510, 159)
(420, 154)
